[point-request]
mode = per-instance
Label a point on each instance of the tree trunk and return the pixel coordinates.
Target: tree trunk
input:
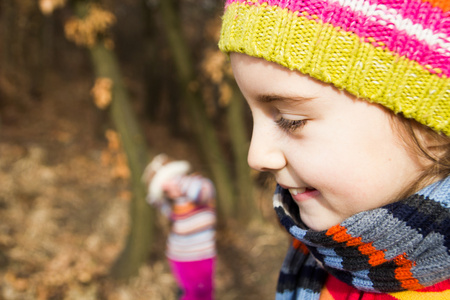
(6, 20)
(204, 128)
(141, 215)
(246, 206)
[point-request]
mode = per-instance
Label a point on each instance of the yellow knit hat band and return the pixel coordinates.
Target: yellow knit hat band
(372, 68)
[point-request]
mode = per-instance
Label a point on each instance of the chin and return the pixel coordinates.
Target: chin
(317, 224)
(317, 227)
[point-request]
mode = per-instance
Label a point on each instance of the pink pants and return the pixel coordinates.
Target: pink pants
(195, 278)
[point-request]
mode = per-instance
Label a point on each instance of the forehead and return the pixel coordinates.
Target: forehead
(256, 77)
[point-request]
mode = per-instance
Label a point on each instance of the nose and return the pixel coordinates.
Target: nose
(265, 153)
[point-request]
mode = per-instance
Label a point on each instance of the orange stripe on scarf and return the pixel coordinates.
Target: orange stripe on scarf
(403, 273)
(339, 234)
(300, 246)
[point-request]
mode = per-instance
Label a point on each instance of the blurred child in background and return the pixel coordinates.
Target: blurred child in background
(188, 200)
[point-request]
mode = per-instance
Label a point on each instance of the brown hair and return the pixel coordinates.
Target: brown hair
(429, 146)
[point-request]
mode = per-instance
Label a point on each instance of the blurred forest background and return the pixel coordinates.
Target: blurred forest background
(89, 92)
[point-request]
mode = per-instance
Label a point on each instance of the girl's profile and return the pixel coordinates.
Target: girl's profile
(351, 114)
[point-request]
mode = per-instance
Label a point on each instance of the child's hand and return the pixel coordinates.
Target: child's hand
(172, 189)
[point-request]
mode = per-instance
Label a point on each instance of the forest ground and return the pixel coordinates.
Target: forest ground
(63, 210)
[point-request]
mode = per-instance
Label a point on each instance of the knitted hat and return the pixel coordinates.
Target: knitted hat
(392, 52)
(158, 171)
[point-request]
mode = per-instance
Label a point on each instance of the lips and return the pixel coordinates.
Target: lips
(297, 191)
(303, 194)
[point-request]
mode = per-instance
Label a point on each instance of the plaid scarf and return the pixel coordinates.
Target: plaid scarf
(398, 247)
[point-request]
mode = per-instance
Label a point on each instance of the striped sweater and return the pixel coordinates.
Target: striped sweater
(398, 251)
(192, 236)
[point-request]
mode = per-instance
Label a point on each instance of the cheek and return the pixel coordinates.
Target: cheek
(315, 164)
(335, 162)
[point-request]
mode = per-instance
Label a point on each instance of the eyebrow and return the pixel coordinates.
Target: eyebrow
(267, 98)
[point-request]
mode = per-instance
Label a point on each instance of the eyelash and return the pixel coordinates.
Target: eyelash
(290, 125)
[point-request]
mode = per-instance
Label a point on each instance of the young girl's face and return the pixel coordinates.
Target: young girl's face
(336, 154)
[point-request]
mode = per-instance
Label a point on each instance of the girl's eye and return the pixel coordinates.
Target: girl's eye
(290, 125)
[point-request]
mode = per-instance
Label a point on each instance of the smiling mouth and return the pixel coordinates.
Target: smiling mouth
(297, 191)
(300, 191)
(303, 194)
